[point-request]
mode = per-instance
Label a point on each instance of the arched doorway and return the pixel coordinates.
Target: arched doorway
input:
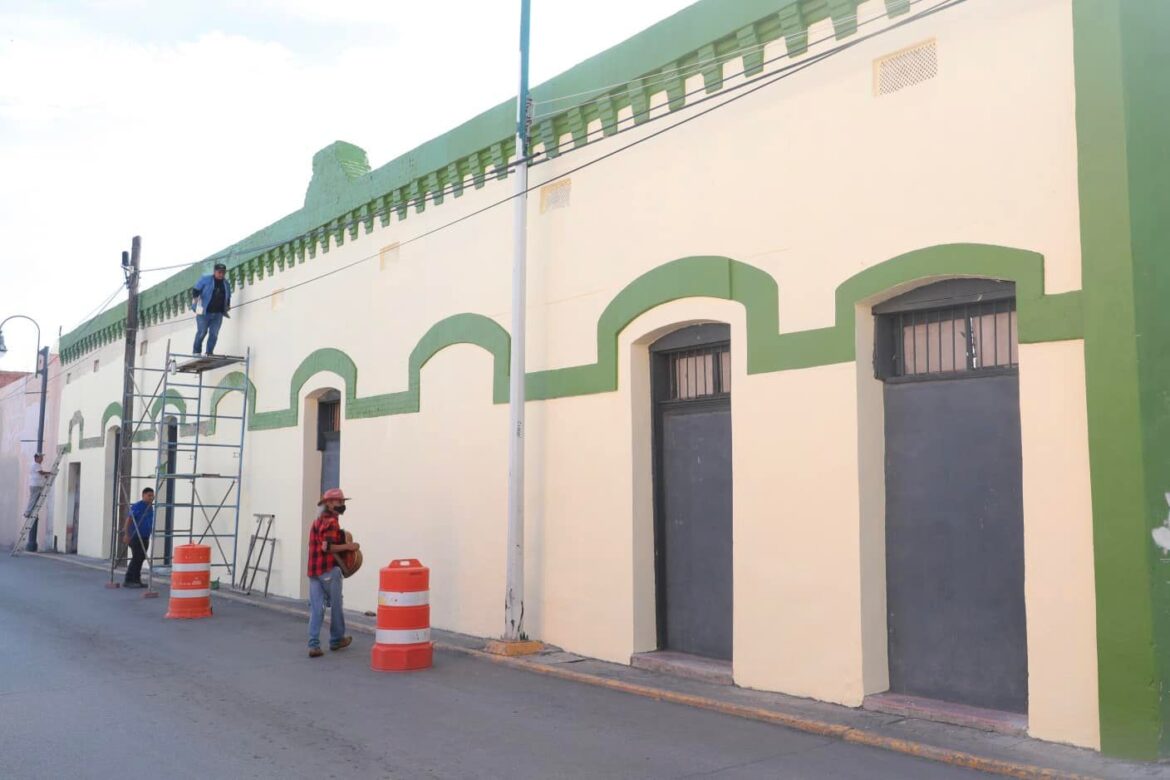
(321, 416)
(691, 391)
(948, 356)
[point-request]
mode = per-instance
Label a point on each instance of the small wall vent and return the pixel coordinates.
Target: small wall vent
(556, 195)
(905, 68)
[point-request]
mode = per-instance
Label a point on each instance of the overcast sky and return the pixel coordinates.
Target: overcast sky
(193, 122)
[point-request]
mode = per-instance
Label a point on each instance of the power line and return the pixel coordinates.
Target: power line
(635, 115)
(741, 90)
(433, 196)
(756, 84)
(660, 77)
(457, 187)
(97, 311)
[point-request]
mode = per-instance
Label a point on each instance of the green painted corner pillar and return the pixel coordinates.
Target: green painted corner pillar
(1122, 67)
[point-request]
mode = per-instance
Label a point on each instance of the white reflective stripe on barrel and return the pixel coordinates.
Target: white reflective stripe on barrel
(399, 636)
(191, 567)
(200, 593)
(403, 598)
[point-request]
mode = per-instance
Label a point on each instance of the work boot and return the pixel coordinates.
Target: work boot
(316, 652)
(344, 643)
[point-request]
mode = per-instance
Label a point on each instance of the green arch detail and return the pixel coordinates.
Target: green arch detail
(112, 410)
(1041, 317)
(171, 398)
(327, 359)
(458, 329)
(233, 382)
(76, 421)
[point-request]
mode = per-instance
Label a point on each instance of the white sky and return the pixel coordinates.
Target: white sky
(193, 122)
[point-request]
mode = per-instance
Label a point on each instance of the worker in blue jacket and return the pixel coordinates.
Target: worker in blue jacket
(211, 300)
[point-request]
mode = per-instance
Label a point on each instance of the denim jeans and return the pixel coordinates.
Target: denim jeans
(327, 587)
(33, 494)
(207, 325)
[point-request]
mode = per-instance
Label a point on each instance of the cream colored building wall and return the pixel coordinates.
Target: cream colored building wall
(812, 180)
(1058, 545)
(89, 392)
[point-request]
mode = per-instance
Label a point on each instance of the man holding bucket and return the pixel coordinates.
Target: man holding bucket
(325, 575)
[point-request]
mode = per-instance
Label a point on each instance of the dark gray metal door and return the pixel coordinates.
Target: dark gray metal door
(955, 541)
(329, 443)
(172, 443)
(331, 464)
(693, 482)
(74, 508)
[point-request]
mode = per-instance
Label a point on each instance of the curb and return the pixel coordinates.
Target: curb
(807, 725)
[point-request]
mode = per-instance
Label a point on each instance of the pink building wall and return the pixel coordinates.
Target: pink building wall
(19, 412)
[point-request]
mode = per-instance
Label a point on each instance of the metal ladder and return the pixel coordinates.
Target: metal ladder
(263, 535)
(31, 516)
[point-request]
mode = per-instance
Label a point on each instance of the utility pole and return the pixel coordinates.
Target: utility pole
(43, 362)
(126, 451)
(514, 597)
(43, 367)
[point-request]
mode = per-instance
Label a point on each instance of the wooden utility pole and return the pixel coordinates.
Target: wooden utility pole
(126, 451)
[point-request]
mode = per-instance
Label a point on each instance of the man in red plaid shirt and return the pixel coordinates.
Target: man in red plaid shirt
(325, 539)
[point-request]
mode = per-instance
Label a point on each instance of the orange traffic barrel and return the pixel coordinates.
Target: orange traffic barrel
(191, 582)
(402, 641)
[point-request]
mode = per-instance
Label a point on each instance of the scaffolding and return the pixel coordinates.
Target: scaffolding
(209, 498)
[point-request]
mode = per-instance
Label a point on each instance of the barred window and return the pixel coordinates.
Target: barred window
(977, 332)
(700, 373)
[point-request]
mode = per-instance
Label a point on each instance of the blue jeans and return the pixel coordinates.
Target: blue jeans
(327, 587)
(207, 325)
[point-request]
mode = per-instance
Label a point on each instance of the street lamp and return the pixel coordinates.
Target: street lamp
(42, 369)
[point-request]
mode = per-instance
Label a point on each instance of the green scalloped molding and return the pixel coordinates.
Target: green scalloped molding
(1041, 318)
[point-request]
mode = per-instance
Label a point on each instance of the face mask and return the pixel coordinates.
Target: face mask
(340, 510)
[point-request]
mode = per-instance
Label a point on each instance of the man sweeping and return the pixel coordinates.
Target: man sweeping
(136, 535)
(325, 576)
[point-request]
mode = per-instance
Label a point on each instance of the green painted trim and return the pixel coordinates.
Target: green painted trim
(1041, 317)
(234, 382)
(174, 399)
(1123, 123)
(459, 329)
(344, 194)
(111, 411)
(329, 359)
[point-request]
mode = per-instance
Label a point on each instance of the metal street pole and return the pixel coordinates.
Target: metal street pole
(43, 367)
(514, 596)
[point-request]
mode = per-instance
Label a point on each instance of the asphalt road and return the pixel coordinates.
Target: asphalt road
(94, 683)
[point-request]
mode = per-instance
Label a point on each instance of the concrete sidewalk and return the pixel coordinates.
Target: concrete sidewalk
(1007, 755)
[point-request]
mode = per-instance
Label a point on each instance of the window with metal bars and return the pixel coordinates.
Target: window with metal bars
(699, 373)
(976, 332)
(328, 417)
